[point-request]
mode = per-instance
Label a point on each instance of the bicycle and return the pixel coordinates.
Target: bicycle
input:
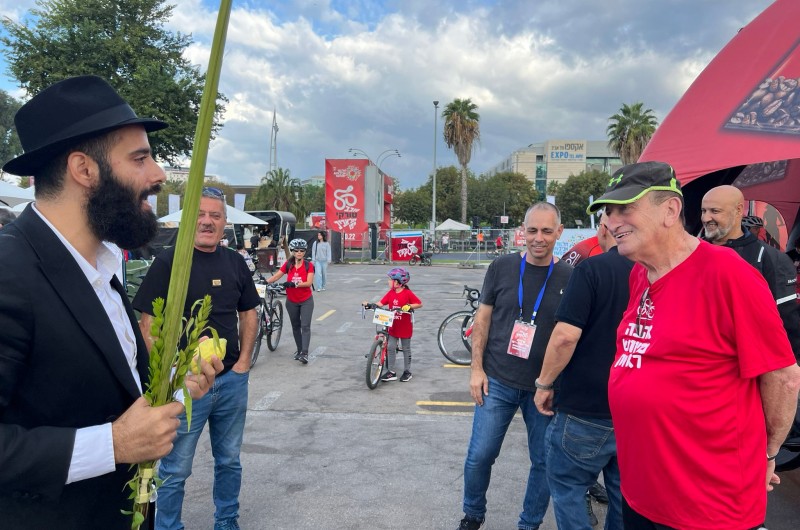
(270, 317)
(434, 248)
(454, 336)
(378, 356)
(423, 259)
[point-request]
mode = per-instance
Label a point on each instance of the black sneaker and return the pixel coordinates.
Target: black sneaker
(470, 523)
(598, 492)
(303, 358)
(405, 377)
(590, 512)
(389, 376)
(297, 356)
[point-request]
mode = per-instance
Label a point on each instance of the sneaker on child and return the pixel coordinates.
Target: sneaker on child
(406, 376)
(389, 376)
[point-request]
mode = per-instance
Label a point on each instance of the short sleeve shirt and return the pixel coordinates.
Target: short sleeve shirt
(402, 326)
(297, 275)
(501, 291)
(222, 274)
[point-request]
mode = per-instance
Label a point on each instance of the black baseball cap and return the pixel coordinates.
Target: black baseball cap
(631, 182)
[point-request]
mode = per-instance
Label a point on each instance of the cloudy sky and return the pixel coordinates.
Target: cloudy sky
(365, 73)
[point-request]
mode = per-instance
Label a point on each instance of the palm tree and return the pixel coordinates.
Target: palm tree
(278, 190)
(630, 130)
(461, 129)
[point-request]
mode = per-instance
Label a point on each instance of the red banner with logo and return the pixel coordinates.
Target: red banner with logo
(404, 247)
(344, 198)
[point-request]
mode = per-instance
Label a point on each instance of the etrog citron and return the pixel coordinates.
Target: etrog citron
(206, 350)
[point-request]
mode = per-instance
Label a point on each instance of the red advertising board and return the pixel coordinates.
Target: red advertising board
(403, 247)
(344, 198)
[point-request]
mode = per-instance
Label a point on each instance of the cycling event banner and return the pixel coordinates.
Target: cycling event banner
(344, 197)
(405, 245)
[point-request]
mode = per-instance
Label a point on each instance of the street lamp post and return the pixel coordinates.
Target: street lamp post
(433, 207)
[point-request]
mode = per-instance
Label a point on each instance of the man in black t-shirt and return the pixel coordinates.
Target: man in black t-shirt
(508, 343)
(223, 274)
(580, 440)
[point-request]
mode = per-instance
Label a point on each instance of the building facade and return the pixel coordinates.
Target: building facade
(556, 160)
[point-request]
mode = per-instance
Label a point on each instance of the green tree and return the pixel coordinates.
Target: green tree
(123, 42)
(413, 207)
(461, 130)
(9, 141)
(573, 195)
(553, 188)
(507, 192)
(311, 198)
(278, 191)
(630, 130)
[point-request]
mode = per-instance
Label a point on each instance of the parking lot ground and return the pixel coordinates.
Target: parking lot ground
(322, 451)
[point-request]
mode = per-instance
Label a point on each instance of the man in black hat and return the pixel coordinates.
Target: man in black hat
(704, 385)
(72, 360)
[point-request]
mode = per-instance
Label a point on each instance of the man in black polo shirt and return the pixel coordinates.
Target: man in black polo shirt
(580, 440)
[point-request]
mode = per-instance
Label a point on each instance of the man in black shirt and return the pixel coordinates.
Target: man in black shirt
(521, 292)
(580, 440)
(721, 212)
(223, 274)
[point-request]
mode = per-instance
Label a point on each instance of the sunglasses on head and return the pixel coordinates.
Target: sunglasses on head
(213, 192)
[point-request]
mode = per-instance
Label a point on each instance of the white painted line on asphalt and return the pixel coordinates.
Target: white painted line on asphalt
(267, 400)
(378, 280)
(326, 315)
(344, 327)
(319, 350)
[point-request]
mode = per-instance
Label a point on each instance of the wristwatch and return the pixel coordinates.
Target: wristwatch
(540, 386)
(771, 458)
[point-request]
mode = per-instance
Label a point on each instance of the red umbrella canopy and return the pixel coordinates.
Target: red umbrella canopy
(743, 109)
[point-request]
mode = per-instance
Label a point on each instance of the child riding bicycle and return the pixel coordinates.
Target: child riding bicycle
(399, 297)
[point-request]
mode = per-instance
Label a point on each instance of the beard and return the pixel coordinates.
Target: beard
(115, 211)
(717, 232)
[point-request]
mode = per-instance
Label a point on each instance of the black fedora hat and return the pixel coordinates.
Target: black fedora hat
(65, 113)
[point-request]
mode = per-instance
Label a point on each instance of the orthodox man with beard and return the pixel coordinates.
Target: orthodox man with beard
(72, 360)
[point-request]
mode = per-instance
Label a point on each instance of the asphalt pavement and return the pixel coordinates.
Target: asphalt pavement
(322, 451)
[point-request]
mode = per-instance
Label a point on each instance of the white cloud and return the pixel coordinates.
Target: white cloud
(365, 73)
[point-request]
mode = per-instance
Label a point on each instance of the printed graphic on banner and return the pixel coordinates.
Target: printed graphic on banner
(344, 194)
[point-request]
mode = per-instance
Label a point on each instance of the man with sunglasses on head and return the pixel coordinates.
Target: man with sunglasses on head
(703, 389)
(224, 275)
(72, 361)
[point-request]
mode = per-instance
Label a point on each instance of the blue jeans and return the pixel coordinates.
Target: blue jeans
(578, 449)
(320, 274)
(224, 408)
(489, 426)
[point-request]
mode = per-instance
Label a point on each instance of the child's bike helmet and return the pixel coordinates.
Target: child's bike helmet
(399, 274)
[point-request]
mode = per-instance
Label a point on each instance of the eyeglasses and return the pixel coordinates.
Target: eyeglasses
(213, 192)
(300, 250)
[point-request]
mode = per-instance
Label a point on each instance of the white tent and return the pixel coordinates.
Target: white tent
(19, 207)
(11, 195)
(234, 217)
(453, 225)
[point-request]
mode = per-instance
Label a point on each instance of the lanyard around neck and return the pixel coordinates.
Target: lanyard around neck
(541, 291)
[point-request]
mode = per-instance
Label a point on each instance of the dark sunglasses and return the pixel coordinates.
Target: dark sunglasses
(213, 192)
(299, 250)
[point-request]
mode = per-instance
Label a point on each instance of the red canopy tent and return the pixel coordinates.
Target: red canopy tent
(743, 110)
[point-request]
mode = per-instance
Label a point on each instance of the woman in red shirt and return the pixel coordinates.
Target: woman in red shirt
(299, 299)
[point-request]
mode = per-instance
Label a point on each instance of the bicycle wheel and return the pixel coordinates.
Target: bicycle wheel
(374, 364)
(436, 250)
(275, 326)
(412, 261)
(262, 326)
(453, 342)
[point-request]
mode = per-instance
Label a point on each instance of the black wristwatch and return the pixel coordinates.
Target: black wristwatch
(771, 458)
(540, 386)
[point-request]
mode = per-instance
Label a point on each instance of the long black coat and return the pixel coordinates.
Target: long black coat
(61, 368)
